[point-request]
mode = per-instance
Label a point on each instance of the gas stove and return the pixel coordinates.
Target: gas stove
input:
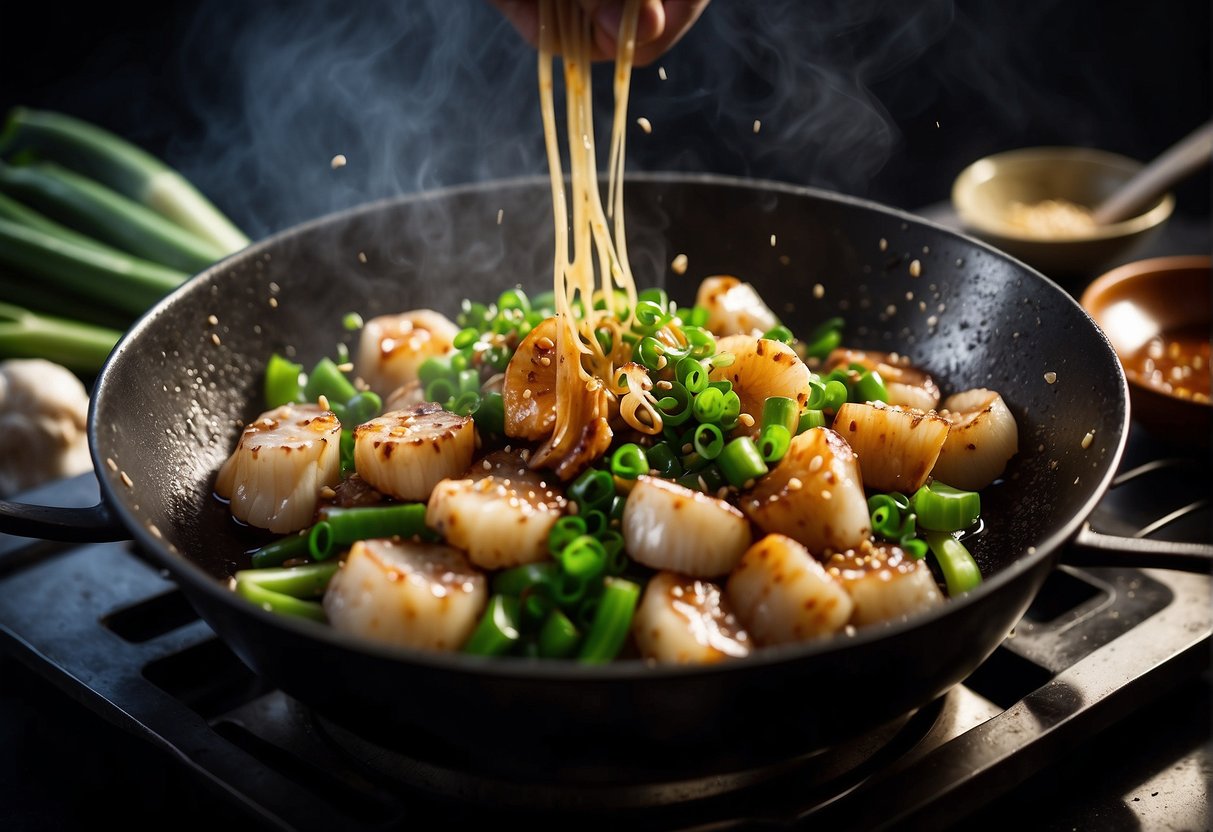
(1094, 712)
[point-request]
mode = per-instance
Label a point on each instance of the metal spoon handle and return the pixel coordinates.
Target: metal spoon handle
(1156, 178)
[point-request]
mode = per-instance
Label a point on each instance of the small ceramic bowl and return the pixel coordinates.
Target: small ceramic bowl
(990, 196)
(1156, 314)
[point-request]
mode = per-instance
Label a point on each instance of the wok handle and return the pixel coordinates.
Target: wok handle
(1092, 548)
(93, 524)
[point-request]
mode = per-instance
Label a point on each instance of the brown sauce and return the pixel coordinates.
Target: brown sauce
(1175, 362)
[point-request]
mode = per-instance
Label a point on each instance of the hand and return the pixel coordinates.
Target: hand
(661, 24)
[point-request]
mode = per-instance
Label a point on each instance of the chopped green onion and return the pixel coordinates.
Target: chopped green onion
(466, 403)
(465, 337)
(514, 299)
(498, 629)
(340, 526)
(675, 405)
(698, 316)
(441, 390)
(824, 339)
(732, 410)
(612, 621)
(664, 461)
(629, 461)
(594, 489)
(691, 373)
(943, 508)
(326, 380)
(650, 353)
(282, 382)
(709, 405)
(960, 570)
(558, 637)
(780, 410)
(780, 333)
(649, 317)
(708, 441)
(540, 577)
(490, 416)
(773, 443)
(433, 369)
(277, 602)
(869, 387)
(701, 342)
(583, 557)
(307, 581)
(810, 419)
(655, 295)
(280, 551)
(617, 556)
(363, 407)
(741, 462)
(352, 321)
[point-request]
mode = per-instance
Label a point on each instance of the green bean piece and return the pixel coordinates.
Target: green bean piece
(960, 570)
(869, 387)
(498, 629)
(326, 380)
(341, 526)
(558, 637)
(741, 462)
(773, 443)
(279, 603)
(280, 551)
(593, 489)
(629, 461)
(307, 581)
(612, 621)
(780, 410)
(943, 508)
(282, 382)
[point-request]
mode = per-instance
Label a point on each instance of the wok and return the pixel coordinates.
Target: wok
(167, 410)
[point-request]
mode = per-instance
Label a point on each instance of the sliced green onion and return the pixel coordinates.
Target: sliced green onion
(708, 441)
(352, 321)
(612, 621)
(326, 380)
(441, 390)
(596, 522)
(943, 508)
(540, 577)
(617, 556)
(466, 403)
(698, 316)
(594, 489)
(741, 462)
(780, 333)
(307, 581)
(340, 526)
(649, 317)
(279, 603)
(664, 461)
(465, 337)
(810, 419)
(709, 405)
(675, 405)
(691, 373)
(433, 369)
(490, 415)
(773, 443)
(280, 551)
(498, 629)
(363, 407)
(701, 342)
(655, 295)
(629, 461)
(650, 353)
(780, 410)
(824, 339)
(960, 571)
(732, 410)
(869, 387)
(514, 299)
(558, 637)
(583, 557)
(282, 382)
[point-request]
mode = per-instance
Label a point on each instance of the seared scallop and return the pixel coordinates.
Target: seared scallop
(684, 620)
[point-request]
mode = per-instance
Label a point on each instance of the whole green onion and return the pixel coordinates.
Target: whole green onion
(612, 621)
(773, 443)
(780, 410)
(741, 462)
(278, 602)
(340, 526)
(498, 629)
(960, 570)
(593, 489)
(558, 637)
(629, 461)
(307, 581)
(282, 382)
(943, 508)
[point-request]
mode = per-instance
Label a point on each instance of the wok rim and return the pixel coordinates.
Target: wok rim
(195, 579)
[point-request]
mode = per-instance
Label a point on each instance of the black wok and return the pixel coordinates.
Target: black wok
(166, 411)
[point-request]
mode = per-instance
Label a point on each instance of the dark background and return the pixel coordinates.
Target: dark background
(888, 100)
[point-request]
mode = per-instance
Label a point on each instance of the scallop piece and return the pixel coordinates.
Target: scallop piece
(393, 347)
(884, 581)
(667, 526)
(685, 620)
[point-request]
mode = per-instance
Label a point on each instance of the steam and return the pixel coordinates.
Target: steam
(419, 94)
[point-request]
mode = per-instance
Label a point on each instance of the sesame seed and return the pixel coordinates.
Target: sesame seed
(1050, 377)
(826, 495)
(215, 339)
(212, 320)
(661, 73)
(347, 367)
(545, 361)
(816, 463)
(1088, 439)
(500, 215)
(746, 419)
(794, 484)
(545, 343)
(687, 448)
(113, 466)
(819, 291)
(362, 257)
(679, 264)
(526, 394)
(126, 480)
(772, 241)
(273, 303)
(338, 161)
(915, 268)
(645, 124)
(323, 401)
(884, 244)
(757, 125)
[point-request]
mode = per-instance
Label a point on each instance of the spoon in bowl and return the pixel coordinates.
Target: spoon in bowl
(1180, 160)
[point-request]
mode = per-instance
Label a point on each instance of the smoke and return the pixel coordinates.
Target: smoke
(418, 94)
